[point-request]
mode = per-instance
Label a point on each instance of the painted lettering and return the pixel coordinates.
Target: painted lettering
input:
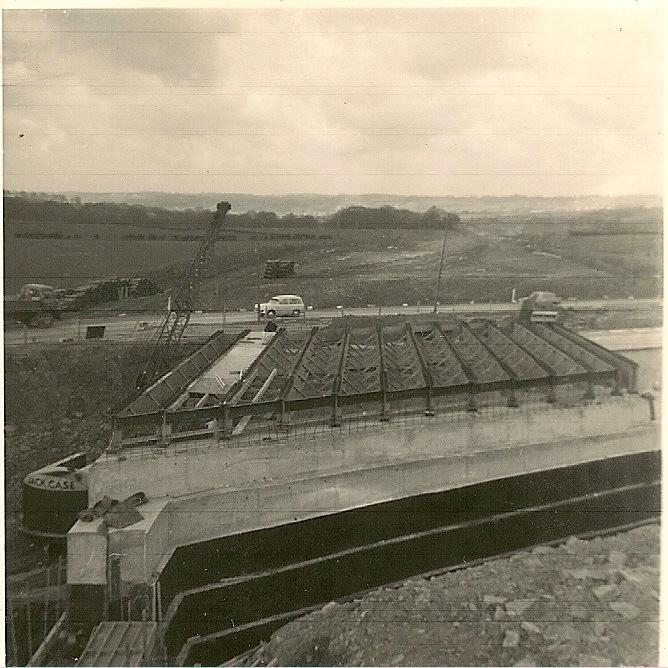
(54, 483)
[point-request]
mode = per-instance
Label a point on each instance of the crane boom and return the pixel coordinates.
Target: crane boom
(181, 305)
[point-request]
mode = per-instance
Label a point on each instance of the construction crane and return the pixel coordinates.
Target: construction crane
(54, 494)
(181, 306)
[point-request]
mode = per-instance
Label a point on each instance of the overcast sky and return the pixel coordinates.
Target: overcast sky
(431, 102)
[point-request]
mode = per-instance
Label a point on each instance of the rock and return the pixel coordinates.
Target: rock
(643, 579)
(542, 549)
(511, 639)
(617, 558)
(626, 610)
(555, 647)
(604, 574)
(593, 660)
(493, 600)
(530, 627)
(330, 606)
(573, 545)
(560, 633)
(579, 614)
(598, 628)
(605, 591)
(514, 608)
(533, 562)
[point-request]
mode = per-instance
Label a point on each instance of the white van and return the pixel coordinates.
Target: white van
(290, 305)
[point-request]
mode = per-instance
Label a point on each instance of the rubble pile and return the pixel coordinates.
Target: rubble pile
(582, 603)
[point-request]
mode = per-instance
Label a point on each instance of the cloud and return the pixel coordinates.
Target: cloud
(167, 46)
(439, 101)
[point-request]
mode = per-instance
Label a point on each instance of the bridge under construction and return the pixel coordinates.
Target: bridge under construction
(276, 471)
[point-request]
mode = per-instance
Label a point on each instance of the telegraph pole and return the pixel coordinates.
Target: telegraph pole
(440, 273)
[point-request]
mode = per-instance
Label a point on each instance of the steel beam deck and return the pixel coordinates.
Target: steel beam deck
(167, 389)
(342, 365)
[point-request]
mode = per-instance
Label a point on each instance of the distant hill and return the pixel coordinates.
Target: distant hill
(325, 204)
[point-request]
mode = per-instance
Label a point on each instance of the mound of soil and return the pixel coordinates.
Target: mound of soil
(58, 400)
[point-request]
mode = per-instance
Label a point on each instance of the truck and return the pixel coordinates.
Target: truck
(540, 306)
(36, 305)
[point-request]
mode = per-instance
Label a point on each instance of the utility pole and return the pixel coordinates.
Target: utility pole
(440, 273)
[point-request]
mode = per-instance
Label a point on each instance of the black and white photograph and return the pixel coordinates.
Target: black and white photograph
(333, 333)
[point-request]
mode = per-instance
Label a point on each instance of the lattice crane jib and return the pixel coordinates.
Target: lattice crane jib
(182, 304)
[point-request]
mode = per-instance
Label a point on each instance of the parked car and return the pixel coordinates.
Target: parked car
(282, 305)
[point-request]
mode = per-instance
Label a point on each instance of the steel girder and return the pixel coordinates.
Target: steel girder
(403, 370)
(438, 356)
(361, 368)
(509, 354)
(504, 331)
(344, 366)
(560, 363)
(481, 362)
(281, 355)
(587, 359)
(167, 389)
(316, 372)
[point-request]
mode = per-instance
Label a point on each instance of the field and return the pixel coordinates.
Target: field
(485, 259)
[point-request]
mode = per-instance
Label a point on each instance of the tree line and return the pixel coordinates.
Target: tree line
(32, 207)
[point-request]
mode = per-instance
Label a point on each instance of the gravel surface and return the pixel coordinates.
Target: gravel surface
(581, 603)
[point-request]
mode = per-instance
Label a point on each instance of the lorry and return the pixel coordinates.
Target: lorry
(540, 306)
(36, 305)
